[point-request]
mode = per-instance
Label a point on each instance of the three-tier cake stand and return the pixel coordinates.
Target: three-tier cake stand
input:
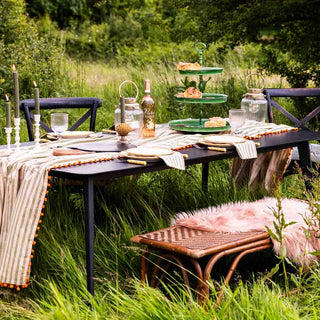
(197, 125)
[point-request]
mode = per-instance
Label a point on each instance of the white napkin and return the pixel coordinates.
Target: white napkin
(174, 160)
(246, 150)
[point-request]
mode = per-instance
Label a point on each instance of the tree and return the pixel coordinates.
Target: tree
(35, 57)
(288, 31)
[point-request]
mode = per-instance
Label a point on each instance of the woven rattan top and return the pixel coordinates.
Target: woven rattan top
(197, 243)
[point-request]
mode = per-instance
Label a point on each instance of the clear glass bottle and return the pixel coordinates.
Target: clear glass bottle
(255, 105)
(148, 108)
(133, 117)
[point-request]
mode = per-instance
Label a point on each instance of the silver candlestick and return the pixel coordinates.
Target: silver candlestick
(8, 133)
(37, 131)
(17, 131)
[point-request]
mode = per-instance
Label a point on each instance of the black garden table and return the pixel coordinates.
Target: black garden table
(114, 169)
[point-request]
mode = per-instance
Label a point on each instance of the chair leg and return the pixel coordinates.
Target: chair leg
(29, 122)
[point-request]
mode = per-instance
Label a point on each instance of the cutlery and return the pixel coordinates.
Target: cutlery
(143, 163)
(66, 151)
(216, 148)
(210, 148)
(108, 131)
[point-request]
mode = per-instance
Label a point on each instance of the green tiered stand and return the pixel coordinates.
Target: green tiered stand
(197, 125)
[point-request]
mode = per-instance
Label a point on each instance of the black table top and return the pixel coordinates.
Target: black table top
(116, 168)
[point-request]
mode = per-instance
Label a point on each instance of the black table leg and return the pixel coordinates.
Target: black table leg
(89, 222)
(305, 162)
(205, 176)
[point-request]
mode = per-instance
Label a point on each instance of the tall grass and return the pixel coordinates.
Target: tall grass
(124, 208)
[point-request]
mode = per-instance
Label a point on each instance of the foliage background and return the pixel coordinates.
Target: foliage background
(52, 42)
(36, 58)
(287, 30)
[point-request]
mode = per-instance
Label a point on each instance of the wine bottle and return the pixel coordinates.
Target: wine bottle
(148, 108)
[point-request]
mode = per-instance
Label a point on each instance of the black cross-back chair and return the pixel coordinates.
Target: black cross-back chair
(314, 150)
(61, 103)
(291, 93)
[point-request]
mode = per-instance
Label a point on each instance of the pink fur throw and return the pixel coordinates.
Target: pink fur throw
(254, 216)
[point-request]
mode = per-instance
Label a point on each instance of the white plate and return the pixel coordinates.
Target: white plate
(76, 134)
(224, 139)
(149, 152)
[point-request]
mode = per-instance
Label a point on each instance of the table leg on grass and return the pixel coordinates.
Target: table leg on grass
(205, 176)
(305, 162)
(89, 225)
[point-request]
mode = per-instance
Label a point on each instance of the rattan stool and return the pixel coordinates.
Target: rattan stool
(179, 242)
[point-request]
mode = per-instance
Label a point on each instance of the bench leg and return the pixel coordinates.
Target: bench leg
(144, 265)
(199, 275)
(242, 250)
(235, 264)
(207, 274)
(157, 280)
(168, 257)
(203, 288)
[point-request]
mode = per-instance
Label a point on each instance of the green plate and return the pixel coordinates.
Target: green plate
(202, 72)
(193, 125)
(206, 98)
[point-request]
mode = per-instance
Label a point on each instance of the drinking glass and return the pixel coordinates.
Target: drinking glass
(237, 118)
(59, 123)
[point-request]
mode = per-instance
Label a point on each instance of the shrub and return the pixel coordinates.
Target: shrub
(89, 41)
(36, 58)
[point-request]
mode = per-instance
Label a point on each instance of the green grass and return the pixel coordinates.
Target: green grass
(126, 207)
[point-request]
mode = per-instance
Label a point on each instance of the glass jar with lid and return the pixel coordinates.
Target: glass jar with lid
(255, 104)
(133, 113)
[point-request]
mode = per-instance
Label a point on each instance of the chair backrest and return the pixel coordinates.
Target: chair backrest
(291, 93)
(61, 103)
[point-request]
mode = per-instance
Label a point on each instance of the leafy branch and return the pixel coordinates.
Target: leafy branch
(279, 225)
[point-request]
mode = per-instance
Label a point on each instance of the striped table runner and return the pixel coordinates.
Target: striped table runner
(253, 129)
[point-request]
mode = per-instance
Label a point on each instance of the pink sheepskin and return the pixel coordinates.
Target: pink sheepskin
(254, 216)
